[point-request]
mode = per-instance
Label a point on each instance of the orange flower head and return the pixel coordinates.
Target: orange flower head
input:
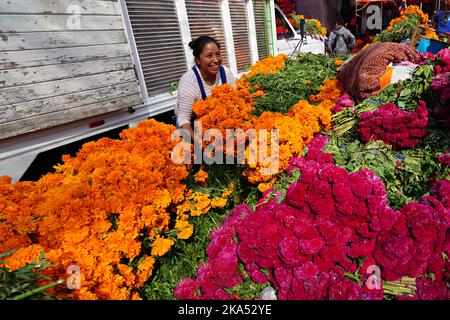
(161, 246)
(184, 229)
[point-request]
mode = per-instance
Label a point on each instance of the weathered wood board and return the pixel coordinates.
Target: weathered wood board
(62, 61)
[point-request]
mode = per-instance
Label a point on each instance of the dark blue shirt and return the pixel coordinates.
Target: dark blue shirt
(443, 21)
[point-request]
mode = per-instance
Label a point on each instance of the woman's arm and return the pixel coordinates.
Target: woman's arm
(187, 95)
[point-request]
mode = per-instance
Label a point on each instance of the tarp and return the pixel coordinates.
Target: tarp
(326, 11)
(361, 75)
(365, 1)
(333, 12)
(313, 9)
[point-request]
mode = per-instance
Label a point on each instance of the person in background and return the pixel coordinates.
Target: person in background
(401, 5)
(441, 20)
(198, 82)
(341, 40)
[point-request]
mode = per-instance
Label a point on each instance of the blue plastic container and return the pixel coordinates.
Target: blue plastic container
(431, 45)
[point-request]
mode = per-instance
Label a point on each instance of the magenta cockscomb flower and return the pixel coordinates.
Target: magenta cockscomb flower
(187, 290)
(342, 103)
(399, 128)
(331, 223)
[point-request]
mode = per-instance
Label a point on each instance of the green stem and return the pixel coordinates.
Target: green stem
(37, 290)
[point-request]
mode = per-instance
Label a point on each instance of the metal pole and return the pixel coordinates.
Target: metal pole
(272, 13)
(266, 39)
(381, 16)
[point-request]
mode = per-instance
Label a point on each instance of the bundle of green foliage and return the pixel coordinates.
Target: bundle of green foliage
(300, 79)
(22, 283)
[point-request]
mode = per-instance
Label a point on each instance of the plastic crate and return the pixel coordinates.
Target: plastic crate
(431, 45)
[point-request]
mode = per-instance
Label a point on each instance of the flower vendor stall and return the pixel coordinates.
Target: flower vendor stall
(357, 208)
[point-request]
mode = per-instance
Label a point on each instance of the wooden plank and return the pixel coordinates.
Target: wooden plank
(44, 90)
(27, 125)
(39, 107)
(18, 77)
(42, 57)
(59, 7)
(44, 40)
(43, 23)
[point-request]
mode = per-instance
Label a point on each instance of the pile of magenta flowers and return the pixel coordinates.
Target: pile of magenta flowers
(333, 236)
(342, 103)
(441, 86)
(399, 128)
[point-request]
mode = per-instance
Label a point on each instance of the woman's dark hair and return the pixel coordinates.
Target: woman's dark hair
(199, 44)
(339, 21)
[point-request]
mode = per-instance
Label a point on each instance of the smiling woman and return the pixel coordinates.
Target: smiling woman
(198, 82)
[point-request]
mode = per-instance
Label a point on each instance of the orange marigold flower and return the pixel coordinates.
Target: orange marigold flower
(136, 296)
(93, 210)
(24, 256)
(266, 66)
(263, 187)
(338, 62)
(229, 191)
(405, 14)
(218, 202)
(201, 204)
(258, 93)
(201, 177)
(127, 273)
(184, 229)
(430, 34)
(161, 246)
(145, 270)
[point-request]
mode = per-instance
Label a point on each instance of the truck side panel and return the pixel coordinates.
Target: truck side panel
(62, 61)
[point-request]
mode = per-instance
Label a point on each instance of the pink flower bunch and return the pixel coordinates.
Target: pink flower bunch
(222, 269)
(314, 152)
(441, 88)
(415, 244)
(441, 191)
(426, 289)
(425, 57)
(441, 59)
(432, 290)
(306, 257)
(444, 61)
(444, 159)
(441, 85)
(330, 220)
(401, 129)
(343, 102)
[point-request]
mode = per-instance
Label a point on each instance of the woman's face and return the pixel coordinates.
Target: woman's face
(210, 59)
